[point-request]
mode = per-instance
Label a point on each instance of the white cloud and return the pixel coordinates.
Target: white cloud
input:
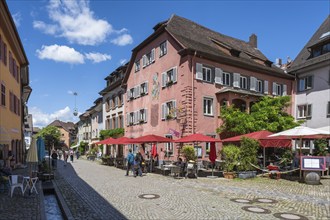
(47, 28)
(122, 61)
(75, 21)
(17, 17)
(60, 54)
(42, 119)
(123, 40)
(97, 57)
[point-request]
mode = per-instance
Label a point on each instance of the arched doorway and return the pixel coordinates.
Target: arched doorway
(240, 104)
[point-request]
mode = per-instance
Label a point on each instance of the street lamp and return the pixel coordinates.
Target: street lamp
(75, 110)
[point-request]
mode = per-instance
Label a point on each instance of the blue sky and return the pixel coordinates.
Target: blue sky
(73, 45)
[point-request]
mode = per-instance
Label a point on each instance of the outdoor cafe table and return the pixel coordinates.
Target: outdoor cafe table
(172, 167)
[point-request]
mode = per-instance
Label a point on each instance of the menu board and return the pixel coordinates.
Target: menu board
(313, 163)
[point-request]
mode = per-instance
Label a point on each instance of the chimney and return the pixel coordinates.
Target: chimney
(278, 62)
(253, 41)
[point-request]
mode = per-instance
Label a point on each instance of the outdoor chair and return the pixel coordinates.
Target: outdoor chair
(15, 181)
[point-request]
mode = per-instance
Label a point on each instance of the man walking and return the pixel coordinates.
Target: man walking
(130, 162)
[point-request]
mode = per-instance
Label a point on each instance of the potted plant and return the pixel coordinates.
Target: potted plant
(170, 82)
(231, 155)
(142, 93)
(248, 155)
(169, 117)
(188, 152)
(141, 121)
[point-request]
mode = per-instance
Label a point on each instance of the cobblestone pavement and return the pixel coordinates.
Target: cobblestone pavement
(109, 194)
(94, 191)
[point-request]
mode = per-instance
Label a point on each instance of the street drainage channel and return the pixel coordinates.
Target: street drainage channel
(55, 207)
(52, 207)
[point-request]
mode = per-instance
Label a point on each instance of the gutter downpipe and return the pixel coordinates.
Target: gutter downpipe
(193, 93)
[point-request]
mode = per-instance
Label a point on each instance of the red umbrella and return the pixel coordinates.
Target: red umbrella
(197, 138)
(104, 141)
(154, 150)
(121, 140)
(254, 135)
(151, 138)
(213, 153)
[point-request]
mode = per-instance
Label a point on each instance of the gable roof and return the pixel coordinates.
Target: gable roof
(68, 126)
(303, 59)
(210, 44)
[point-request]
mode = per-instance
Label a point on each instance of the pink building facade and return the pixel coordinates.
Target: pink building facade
(179, 77)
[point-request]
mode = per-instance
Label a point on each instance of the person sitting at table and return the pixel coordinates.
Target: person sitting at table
(180, 164)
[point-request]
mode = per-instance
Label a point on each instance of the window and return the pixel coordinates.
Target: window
(4, 57)
(131, 93)
(149, 58)
(304, 111)
(207, 74)
(131, 118)
(279, 89)
(163, 49)
(259, 88)
(321, 49)
(169, 77)
(305, 83)
(243, 82)
(3, 95)
(107, 104)
(142, 115)
(137, 65)
(113, 102)
(208, 106)
(144, 88)
(226, 79)
(328, 110)
(168, 110)
(169, 146)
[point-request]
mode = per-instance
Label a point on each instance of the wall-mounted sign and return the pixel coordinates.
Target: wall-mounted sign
(316, 163)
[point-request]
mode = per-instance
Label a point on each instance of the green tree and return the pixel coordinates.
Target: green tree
(267, 114)
(248, 153)
(188, 152)
(321, 147)
(114, 133)
(231, 154)
(51, 136)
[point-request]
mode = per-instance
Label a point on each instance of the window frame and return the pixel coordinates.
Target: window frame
(304, 111)
(163, 48)
(226, 76)
(169, 146)
(137, 65)
(305, 83)
(208, 72)
(206, 106)
(3, 95)
(243, 82)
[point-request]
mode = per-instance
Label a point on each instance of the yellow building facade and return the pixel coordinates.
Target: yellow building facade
(14, 90)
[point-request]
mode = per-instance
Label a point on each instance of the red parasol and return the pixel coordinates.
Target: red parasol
(151, 138)
(197, 138)
(104, 141)
(213, 153)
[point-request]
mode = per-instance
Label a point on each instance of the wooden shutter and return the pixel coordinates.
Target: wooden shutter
(163, 110)
(174, 108)
(146, 84)
(164, 79)
(236, 80)
(137, 91)
(218, 76)
(152, 55)
(274, 88)
(127, 119)
(309, 111)
(253, 83)
(128, 94)
(199, 71)
(145, 115)
(144, 60)
(284, 93)
(136, 117)
(265, 87)
(175, 75)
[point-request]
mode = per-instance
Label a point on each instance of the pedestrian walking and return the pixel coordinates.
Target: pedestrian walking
(130, 162)
(66, 155)
(137, 164)
(54, 159)
(77, 154)
(71, 156)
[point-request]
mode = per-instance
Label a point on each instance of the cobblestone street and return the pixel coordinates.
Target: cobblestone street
(102, 192)
(94, 191)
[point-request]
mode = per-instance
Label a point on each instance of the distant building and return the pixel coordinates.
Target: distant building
(179, 77)
(68, 133)
(14, 90)
(312, 71)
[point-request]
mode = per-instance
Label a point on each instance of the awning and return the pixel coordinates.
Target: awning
(74, 146)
